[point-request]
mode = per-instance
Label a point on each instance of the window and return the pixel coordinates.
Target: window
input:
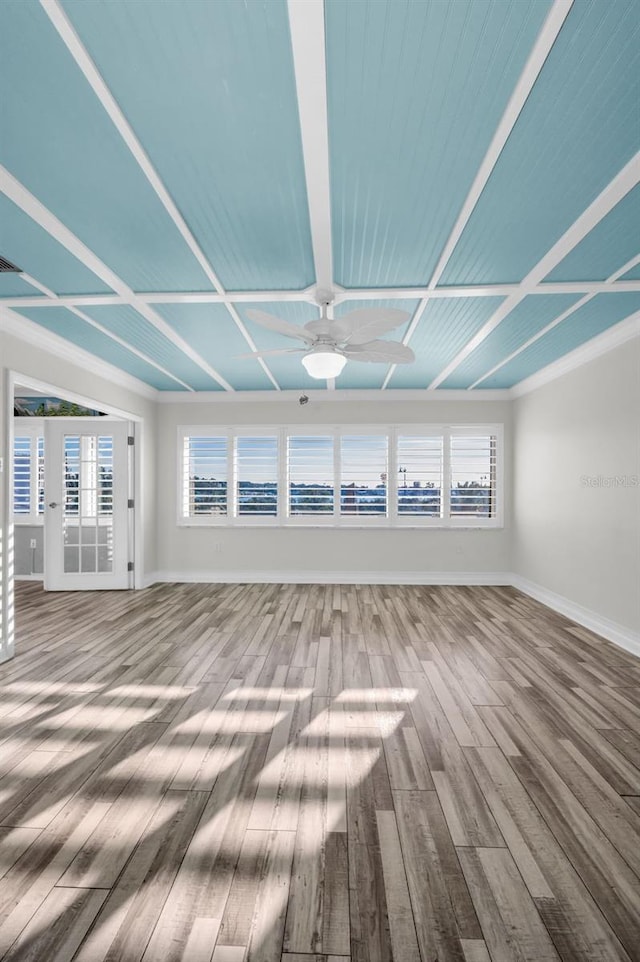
(419, 472)
(442, 476)
(28, 475)
(363, 475)
(257, 476)
(473, 476)
(205, 476)
(310, 471)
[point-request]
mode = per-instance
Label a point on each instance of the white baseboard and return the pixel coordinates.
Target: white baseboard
(29, 578)
(334, 577)
(150, 578)
(620, 635)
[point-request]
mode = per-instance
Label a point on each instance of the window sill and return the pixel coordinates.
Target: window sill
(353, 526)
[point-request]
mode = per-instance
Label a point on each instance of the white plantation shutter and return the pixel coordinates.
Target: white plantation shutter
(364, 475)
(431, 476)
(28, 476)
(204, 477)
(22, 475)
(310, 475)
(473, 460)
(257, 476)
(419, 475)
(40, 475)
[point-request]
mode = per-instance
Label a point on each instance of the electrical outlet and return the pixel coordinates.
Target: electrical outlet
(33, 543)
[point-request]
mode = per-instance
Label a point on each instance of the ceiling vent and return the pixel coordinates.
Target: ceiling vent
(6, 267)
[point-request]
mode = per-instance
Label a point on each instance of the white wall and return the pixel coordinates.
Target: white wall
(33, 361)
(575, 537)
(577, 543)
(28, 561)
(308, 552)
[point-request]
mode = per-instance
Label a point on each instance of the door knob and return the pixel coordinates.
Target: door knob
(53, 504)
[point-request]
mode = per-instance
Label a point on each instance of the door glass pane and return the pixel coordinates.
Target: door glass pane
(88, 505)
(71, 560)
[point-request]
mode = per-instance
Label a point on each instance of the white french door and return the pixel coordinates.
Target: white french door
(86, 523)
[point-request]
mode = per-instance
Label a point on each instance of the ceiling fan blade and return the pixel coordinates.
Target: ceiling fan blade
(390, 352)
(285, 350)
(322, 326)
(360, 326)
(273, 323)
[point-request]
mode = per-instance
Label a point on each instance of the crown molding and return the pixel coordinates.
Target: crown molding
(625, 331)
(32, 333)
(280, 397)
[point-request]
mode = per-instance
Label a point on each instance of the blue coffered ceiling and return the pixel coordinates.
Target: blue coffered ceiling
(167, 166)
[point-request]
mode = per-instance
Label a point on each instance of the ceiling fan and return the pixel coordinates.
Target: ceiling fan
(328, 344)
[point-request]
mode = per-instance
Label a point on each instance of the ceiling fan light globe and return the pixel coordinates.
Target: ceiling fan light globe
(323, 365)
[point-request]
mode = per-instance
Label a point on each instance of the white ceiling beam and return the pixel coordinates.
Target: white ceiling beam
(306, 20)
(492, 290)
(612, 194)
(418, 293)
(91, 73)
(541, 49)
(93, 76)
(624, 181)
(29, 332)
(26, 201)
(595, 347)
(34, 283)
(133, 350)
(535, 62)
(64, 300)
(52, 298)
(247, 297)
(252, 344)
(229, 297)
(629, 266)
(558, 320)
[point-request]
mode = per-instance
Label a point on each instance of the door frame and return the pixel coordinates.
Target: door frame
(120, 577)
(137, 426)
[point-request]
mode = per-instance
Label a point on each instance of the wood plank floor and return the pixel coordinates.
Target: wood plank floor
(279, 773)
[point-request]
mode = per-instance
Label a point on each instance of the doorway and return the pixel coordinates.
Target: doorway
(72, 492)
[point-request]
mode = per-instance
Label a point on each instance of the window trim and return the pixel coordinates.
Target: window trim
(392, 520)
